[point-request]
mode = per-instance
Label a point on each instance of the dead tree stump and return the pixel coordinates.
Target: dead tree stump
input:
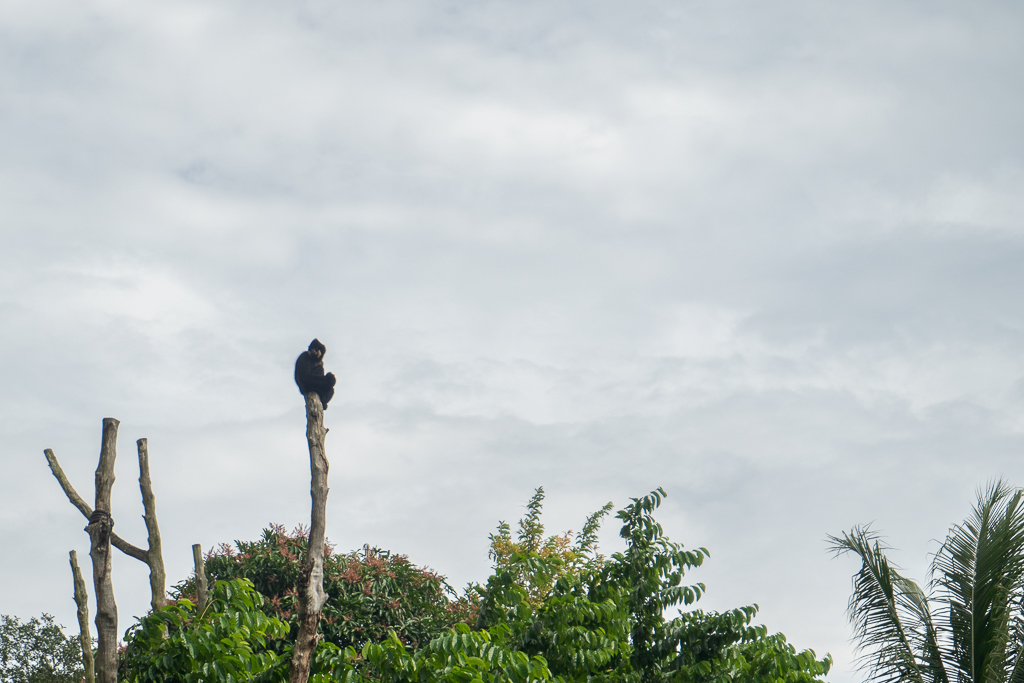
(202, 590)
(82, 602)
(102, 537)
(311, 580)
(153, 557)
(155, 554)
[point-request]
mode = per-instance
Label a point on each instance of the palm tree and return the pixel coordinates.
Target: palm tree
(969, 625)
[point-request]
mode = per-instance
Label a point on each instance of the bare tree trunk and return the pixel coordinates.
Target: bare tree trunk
(84, 637)
(155, 555)
(100, 524)
(311, 580)
(202, 594)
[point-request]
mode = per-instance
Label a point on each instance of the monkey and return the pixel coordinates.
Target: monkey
(309, 373)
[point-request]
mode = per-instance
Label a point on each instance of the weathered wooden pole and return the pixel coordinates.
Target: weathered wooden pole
(155, 554)
(311, 580)
(202, 590)
(84, 636)
(100, 525)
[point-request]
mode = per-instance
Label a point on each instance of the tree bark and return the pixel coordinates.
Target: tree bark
(100, 524)
(84, 636)
(155, 554)
(202, 590)
(311, 580)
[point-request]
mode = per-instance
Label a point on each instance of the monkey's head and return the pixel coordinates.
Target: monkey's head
(316, 349)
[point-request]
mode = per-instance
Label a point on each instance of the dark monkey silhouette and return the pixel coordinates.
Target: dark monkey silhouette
(309, 373)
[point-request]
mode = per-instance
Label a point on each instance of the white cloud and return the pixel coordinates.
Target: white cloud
(766, 257)
(993, 203)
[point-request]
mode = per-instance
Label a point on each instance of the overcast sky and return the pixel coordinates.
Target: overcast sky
(766, 255)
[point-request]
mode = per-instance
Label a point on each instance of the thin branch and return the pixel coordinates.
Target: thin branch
(86, 510)
(129, 549)
(69, 490)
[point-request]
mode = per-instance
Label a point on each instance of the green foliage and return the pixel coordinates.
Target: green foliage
(576, 635)
(553, 610)
(720, 647)
(37, 651)
(370, 593)
(651, 571)
(975, 634)
(540, 596)
(603, 619)
(226, 642)
(459, 656)
(554, 557)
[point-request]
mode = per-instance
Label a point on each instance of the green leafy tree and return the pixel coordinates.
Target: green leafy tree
(556, 556)
(540, 596)
(651, 569)
(968, 626)
(696, 646)
(459, 656)
(370, 592)
(597, 619)
(38, 651)
(553, 610)
(228, 641)
(720, 647)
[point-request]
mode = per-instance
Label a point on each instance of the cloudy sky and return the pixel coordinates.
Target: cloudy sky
(767, 255)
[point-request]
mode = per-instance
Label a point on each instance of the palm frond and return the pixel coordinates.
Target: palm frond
(922, 633)
(979, 571)
(1015, 650)
(881, 603)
